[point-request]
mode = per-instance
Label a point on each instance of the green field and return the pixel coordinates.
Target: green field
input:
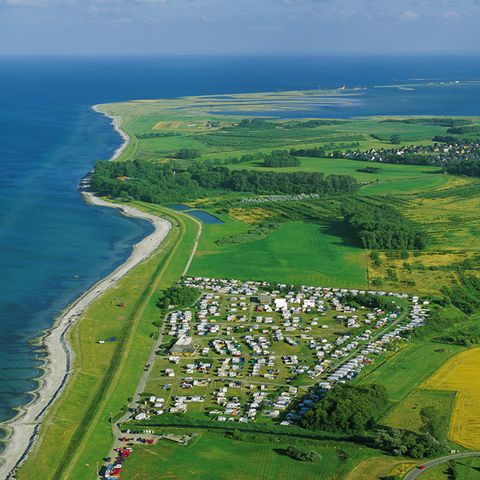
(407, 412)
(406, 369)
(467, 469)
(298, 252)
(214, 457)
(344, 166)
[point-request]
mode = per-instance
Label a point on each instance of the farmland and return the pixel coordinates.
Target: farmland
(409, 367)
(459, 375)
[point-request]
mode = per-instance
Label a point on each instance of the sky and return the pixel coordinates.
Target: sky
(238, 26)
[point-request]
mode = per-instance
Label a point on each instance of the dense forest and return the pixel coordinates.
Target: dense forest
(347, 408)
(158, 183)
(384, 228)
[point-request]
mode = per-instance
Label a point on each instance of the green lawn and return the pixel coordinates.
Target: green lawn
(297, 252)
(214, 457)
(405, 370)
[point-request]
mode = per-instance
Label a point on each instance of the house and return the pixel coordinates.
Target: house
(280, 303)
(183, 346)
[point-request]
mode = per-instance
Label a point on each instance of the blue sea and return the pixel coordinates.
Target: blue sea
(53, 247)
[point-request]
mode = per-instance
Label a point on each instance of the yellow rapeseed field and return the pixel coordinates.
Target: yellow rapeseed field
(461, 374)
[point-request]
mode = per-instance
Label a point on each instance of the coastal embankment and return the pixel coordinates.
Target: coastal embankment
(23, 429)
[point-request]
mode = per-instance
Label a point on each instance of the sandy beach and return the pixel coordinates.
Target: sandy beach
(23, 429)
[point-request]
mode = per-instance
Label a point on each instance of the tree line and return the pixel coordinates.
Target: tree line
(159, 183)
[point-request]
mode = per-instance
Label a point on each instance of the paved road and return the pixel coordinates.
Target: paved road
(437, 461)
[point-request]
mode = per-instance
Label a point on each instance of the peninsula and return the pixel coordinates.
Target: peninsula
(309, 286)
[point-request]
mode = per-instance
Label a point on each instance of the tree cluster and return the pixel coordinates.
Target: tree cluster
(384, 228)
(316, 152)
(465, 130)
(187, 154)
(178, 296)
(254, 123)
(347, 408)
(370, 301)
(280, 158)
(301, 455)
(405, 442)
(469, 168)
(369, 169)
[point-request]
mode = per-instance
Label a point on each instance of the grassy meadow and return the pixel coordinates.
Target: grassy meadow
(297, 252)
(407, 411)
(467, 469)
(211, 456)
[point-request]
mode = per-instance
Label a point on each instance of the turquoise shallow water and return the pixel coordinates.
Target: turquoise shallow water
(52, 246)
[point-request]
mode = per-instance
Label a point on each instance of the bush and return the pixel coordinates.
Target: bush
(404, 442)
(187, 154)
(301, 455)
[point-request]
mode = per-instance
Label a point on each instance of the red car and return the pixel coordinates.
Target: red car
(422, 467)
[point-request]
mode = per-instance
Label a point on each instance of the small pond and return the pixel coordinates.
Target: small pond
(179, 206)
(205, 217)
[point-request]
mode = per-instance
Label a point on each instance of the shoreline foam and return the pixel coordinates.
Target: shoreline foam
(22, 430)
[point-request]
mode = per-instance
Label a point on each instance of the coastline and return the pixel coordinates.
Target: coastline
(22, 430)
(116, 126)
